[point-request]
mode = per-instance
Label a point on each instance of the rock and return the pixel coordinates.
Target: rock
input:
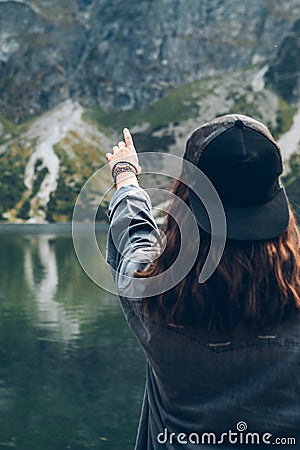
(124, 55)
(284, 72)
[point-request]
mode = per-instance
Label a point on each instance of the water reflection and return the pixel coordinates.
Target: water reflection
(71, 373)
(51, 315)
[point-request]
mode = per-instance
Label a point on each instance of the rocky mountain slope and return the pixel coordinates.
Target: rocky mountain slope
(44, 164)
(73, 73)
(284, 72)
(124, 55)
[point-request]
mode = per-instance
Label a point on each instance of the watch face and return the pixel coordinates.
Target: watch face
(123, 166)
(122, 163)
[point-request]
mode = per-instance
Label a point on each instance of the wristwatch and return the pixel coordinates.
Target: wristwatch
(121, 167)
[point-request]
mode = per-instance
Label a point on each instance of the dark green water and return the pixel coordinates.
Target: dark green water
(71, 372)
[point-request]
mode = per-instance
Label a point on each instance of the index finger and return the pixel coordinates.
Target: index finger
(128, 139)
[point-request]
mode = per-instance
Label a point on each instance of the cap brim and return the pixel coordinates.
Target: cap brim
(259, 222)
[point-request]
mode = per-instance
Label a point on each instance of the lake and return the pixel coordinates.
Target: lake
(71, 373)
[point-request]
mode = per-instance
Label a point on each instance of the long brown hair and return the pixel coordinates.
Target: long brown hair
(257, 283)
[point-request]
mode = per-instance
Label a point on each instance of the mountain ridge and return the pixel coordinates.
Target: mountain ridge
(45, 163)
(73, 73)
(122, 56)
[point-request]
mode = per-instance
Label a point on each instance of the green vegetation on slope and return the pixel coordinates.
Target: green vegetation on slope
(285, 115)
(12, 168)
(78, 161)
(9, 130)
(178, 105)
(291, 182)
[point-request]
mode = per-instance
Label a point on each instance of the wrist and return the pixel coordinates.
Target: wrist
(124, 172)
(125, 178)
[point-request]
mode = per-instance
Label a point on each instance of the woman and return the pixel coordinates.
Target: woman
(223, 356)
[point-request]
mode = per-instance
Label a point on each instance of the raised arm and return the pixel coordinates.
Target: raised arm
(133, 231)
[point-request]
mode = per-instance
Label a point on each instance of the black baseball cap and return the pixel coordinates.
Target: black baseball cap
(242, 160)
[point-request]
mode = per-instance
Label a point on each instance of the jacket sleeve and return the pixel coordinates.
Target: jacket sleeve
(132, 234)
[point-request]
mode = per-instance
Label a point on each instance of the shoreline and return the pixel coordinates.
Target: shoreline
(48, 228)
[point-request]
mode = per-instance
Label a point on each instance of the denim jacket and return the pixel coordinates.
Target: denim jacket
(237, 390)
